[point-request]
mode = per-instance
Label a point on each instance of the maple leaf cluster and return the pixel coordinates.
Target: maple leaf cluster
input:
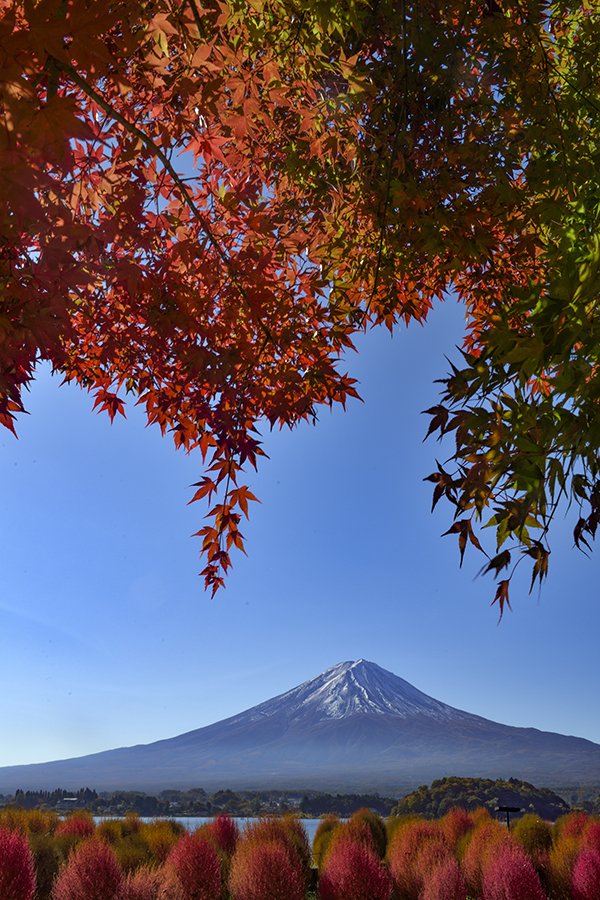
(203, 204)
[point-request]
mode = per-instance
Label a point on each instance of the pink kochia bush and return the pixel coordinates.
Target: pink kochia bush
(585, 883)
(266, 870)
(353, 871)
(17, 878)
(90, 873)
(145, 884)
(445, 882)
(510, 875)
(193, 869)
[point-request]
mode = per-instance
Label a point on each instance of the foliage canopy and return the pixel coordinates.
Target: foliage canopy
(202, 205)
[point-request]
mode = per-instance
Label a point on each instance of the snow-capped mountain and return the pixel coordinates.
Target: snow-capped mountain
(353, 727)
(355, 688)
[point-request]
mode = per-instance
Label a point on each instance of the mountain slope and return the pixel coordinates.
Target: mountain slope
(354, 726)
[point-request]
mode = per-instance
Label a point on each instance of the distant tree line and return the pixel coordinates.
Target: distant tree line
(198, 802)
(49, 799)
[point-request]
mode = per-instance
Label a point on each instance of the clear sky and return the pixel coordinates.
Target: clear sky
(107, 638)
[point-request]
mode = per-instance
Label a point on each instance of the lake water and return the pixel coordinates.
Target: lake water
(193, 822)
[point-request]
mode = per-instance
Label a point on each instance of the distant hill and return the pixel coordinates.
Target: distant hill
(354, 728)
(471, 793)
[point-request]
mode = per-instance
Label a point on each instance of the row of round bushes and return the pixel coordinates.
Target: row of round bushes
(43, 858)
(463, 855)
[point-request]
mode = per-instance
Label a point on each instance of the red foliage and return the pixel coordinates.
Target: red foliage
(225, 833)
(509, 875)
(352, 871)
(481, 847)
(356, 831)
(145, 884)
(222, 293)
(266, 870)
(585, 883)
(194, 867)
(591, 836)
(455, 824)
(445, 882)
(375, 824)
(571, 825)
(79, 826)
(91, 873)
(286, 830)
(415, 848)
(17, 877)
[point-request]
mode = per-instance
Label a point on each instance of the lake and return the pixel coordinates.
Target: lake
(193, 822)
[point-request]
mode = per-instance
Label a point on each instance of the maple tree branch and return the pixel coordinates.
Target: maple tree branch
(168, 166)
(197, 18)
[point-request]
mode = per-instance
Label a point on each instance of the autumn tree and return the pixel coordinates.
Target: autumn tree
(202, 205)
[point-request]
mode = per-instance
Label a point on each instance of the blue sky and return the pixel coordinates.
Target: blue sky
(107, 638)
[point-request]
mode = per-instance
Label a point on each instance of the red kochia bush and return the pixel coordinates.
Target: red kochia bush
(266, 870)
(288, 831)
(90, 873)
(415, 848)
(485, 839)
(591, 836)
(376, 826)
(224, 832)
(17, 877)
(78, 825)
(352, 871)
(193, 867)
(445, 882)
(456, 824)
(509, 875)
(585, 883)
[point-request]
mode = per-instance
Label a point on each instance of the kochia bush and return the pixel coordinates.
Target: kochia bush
(353, 871)
(160, 837)
(91, 873)
(193, 867)
(78, 825)
(266, 870)
(322, 838)
(509, 875)
(17, 877)
(414, 849)
(456, 824)
(289, 832)
(561, 861)
(482, 845)
(533, 834)
(585, 884)
(145, 884)
(224, 832)
(445, 882)
(375, 825)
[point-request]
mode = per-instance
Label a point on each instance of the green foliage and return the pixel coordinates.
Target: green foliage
(534, 834)
(471, 793)
(322, 838)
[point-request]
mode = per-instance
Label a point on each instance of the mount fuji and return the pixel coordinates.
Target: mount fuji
(355, 726)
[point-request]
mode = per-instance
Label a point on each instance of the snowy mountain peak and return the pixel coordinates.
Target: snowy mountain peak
(351, 688)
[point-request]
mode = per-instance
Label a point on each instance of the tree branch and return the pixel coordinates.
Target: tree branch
(157, 151)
